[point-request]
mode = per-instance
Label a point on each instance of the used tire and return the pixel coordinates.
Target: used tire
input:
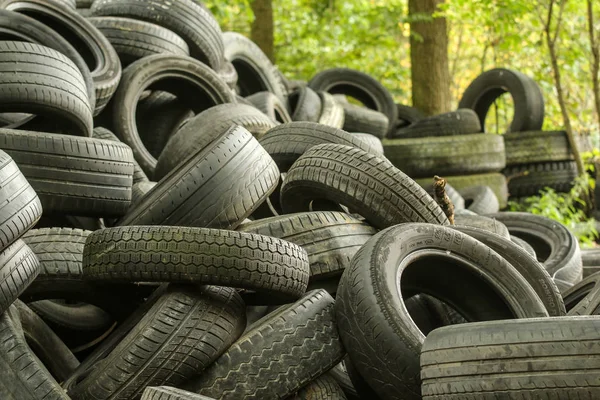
(20, 207)
(324, 387)
(218, 187)
(481, 222)
(373, 141)
(187, 18)
(199, 131)
(347, 175)
(584, 297)
(591, 261)
(480, 200)
(522, 359)
(133, 39)
(362, 119)
(102, 133)
(524, 245)
(207, 256)
(406, 115)
(271, 106)
(198, 87)
(451, 155)
(18, 268)
(280, 354)
(332, 113)
(459, 122)
(39, 80)
(359, 85)
(526, 94)
(170, 393)
(73, 175)
(305, 105)
(556, 247)
(382, 340)
(537, 146)
(529, 179)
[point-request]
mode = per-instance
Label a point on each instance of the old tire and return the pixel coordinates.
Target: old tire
(480, 199)
(529, 179)
(459, 122)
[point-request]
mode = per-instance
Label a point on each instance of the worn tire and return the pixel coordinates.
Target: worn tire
(170, 393)
(324, 387)
(206, 127)
(18, 268)
(523, 359)
(373, 141)
(271, 106)
(138, 173)
(382, 340)
(332, 113)
(480, 199)
(218, 187)
(139, 190)
(362, 119)
(73, 175)
(526, 246)
(305, 105)
(207, 256)
(450, 155)
(526, 94)
(279, 355)
(368, 185)
(406, 115)
(482, 222)
(529, 179)
(537, 146)
(459, 122)
(584, 297)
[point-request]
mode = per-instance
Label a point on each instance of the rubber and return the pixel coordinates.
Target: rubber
(365, 120)
(218, 187)
(198, 87)
(102, 133)
(460, 122)
(371, 140)
(524, 359)
(79, 317)
(170, 393)
(448, 155)
(406, 115)
(207, 256)
(526, 94)
(526, 246)
(133, 39)
(271, 106)
(382, 340)
(18, 268)
(369, 185)
(73, 175)
(556, 247)
(322, 388)
(480, 199)
(39, 80)
(280, 354)
(287, 142)
(332, 113)
(537, 146)
(20, 207)
(139, 190)
(204, 128)
(529, 179)
(184, 332)
(359, 85)
(584, 297)
(481, 222)
(305, 105)
(189, 19)
(255, 71)
(330, 238)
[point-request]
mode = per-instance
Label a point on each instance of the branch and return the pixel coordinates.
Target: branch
(558, 20)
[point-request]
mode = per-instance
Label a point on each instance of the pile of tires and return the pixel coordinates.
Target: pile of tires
(179, 221)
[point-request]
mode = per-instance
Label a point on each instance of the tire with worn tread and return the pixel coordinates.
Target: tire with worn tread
(170, 393)
(138, 173)
(480, 199)
(481, 222)
(322, 388)
(529, 179)
(271, 106)
(460, 122)
(18, 268)
(371, 140)
(305, 105)
(584, 297)
(362, 119)
(332, 113)
(536, 146)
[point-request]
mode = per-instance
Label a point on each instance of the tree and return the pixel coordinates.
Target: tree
(595, 64)
(429, 57)
(261, 31)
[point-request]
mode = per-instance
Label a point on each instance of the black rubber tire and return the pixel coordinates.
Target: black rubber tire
(529, 179)
(522, 359)
(20, 208)
(18, 268)
(39, 80)
(359, 85)
(527, 97)
(584, 297)
(324, 387)
(287, 142)
(44, 343)
(528, 267)
(590, 257)
(280, 354)
(330, 238)
(138, 173)
(496, 181)
(332, 113)
(134, 39)
(526, 246)
(373, 141)
(382, 340)
(23, 374)
(18, 26)
(187, 18)
(206, 127)
(83, 3)
(460, 122)
(185, 331)
(481, 222)
(196, 85)
(170, 393)
(305, 105)
(480, 199)
(79, 317)
(218, 187)
(207, 256)
(406, 115)
(96, 50)
(537, 146)
(158, 117)
(555, 246)
(69, 3)
(449, 155)
(271, 106)
(139, 190)
(368, 185)
(255, 71)
(362, 119)
(73, 175)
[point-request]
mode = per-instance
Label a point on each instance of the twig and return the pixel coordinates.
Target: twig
(440, 196)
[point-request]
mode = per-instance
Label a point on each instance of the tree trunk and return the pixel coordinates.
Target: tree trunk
(595, 67)
(262, 27)
(429, 57)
